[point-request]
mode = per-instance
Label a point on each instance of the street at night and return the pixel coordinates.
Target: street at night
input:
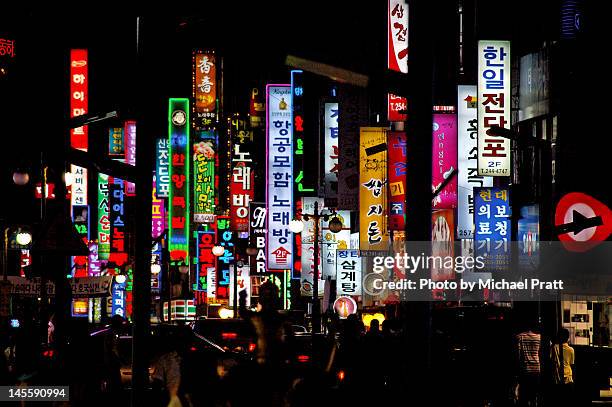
(391, 202)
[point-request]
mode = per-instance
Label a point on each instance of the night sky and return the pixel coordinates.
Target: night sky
(255, 39)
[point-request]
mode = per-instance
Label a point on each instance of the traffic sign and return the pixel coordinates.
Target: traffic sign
(582, 222)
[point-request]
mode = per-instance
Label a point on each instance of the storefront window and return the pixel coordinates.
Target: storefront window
(589, 321)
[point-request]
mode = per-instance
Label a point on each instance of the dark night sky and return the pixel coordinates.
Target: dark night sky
(254, 39)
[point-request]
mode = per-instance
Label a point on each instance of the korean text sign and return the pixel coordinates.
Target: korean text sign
(397, 180)
(225, 240)
(78, 194)
(396, 105)
(373, 189)
(130, 153)
(279, 196)
(349, 273)
(205, 89)
(467, 177)
(493, 231)
(444, 159)
(353, 113)
(206, 259)
(308, 239)
(493, 107)
(242, 178)
(302, 180)
(204, 156)
(331, 150)
(397, 31)
(104, 236)
(178, 131)
(162, 168)
(118, 218)
(78, 96)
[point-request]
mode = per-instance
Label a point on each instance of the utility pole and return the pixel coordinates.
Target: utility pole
(418, 89)
(144, 185)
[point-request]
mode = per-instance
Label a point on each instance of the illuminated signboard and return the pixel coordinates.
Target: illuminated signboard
(373, 189)
(156, 258)
(442, 243)
(395, 106)
(130, 153)
(204, 158)
(257, 109)
(117, 219)
(308, 238)
(181, 310)
(397, 33)
(178, 130)
(493, 107)
(78, 190)
(7, 47)
(94, 262)
(529, 237)
(211, 285)
(258, 235)
(493, 231)
(334, 241)
(397, 180)
(78, 96)
(204, 89)
(242, 178)
(297, 108)
(129, 286)
(279, 175)
(80, 219)
(353, 105)
(162, 168)
(225, 240)
(206, 259)
(467, 177)
(243, 284)
(116, 144)
(331, 153)
(444, 159)
(118, 298)
(80, 308)
(158, 214)
(349, 273)
(104, 239)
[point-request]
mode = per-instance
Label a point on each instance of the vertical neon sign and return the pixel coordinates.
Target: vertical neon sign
(178, 131)
(279, 196)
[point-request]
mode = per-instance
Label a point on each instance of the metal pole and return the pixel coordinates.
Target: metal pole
(43, 317)
(145, 109)
(418, 88)
(316, 305)
(236, 290)
(5, 254)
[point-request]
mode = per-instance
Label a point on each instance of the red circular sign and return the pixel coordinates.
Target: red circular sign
(582, 222)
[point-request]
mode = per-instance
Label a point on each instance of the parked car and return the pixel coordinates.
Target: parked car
(236, 335)
(201, 357)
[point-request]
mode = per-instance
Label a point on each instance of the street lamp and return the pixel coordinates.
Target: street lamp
(155, 269)
(296, 226)
(218, 251)
(23, 238)
(21, 177)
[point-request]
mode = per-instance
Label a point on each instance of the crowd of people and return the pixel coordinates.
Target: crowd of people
(348, 362)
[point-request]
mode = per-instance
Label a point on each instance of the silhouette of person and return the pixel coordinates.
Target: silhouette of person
(528, 348)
